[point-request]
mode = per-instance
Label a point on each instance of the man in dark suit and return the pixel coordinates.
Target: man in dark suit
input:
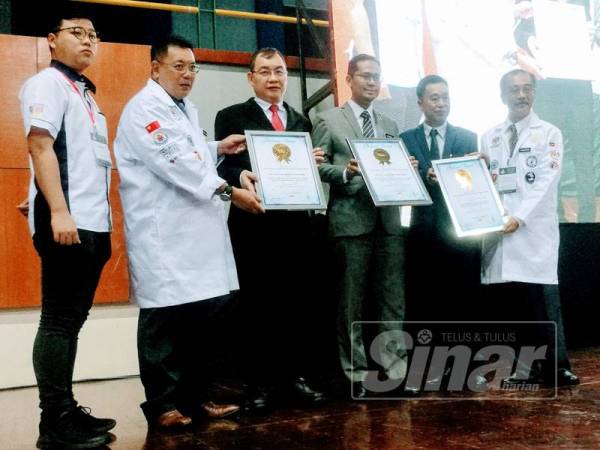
(368, 241)
(273, 252)
(434, 253)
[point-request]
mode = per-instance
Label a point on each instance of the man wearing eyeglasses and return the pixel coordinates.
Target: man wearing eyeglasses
(180, 258)
(526, 157)
(70, 220)
(369, 241)
(277, 352)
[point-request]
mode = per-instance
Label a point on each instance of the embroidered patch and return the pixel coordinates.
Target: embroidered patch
(152, 126)
(160, 138)
(36, 110)
(532, 161)
(530, 177)
(175, 112)
(169, 152)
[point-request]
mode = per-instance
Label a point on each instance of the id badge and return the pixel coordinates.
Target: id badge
(100, 142)
(507, 180)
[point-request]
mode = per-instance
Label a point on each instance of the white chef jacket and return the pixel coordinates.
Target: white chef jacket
(530, 254)
(176, 227)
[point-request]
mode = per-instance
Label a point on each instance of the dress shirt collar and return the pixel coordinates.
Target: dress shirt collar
(358, 110)
(73, 75)
(441, 130)
(521, 124)
(266, 105)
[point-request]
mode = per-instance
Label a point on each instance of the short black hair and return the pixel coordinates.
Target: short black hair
(267, 52)
(161, 47)
(426, 81)
(66, 11)
(508, 75)
(353, 63)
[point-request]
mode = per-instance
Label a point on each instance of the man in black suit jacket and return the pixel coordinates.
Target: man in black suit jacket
(434, 253)
(273, 252)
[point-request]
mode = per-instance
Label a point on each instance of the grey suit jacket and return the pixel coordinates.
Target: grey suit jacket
(351, 210)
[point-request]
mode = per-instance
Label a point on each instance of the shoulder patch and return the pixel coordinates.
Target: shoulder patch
(152, 126)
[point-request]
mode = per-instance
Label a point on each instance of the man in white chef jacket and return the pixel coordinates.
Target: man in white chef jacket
(180, 258)
(525, 156)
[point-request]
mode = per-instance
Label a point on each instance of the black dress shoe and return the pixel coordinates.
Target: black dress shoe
(300, 391)
(564, 377)
(518, 380)
(256, 400)
(358, 391)
(480, 384)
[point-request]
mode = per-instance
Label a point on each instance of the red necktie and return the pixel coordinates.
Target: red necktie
(275, 119)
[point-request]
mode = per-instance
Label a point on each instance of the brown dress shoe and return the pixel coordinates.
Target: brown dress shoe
(173, 419)
(215, 411)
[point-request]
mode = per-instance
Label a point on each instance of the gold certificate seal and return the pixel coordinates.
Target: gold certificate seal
(282, 152)
(465, 179)
(382, 156)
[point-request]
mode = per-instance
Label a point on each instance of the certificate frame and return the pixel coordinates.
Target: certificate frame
(394, 149)
(475, 183)
(270, 164)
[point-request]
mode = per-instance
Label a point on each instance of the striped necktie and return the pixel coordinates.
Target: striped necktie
(367, 126)
(513, 139)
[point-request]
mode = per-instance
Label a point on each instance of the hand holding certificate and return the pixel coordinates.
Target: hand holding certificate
(388, 173)
(286, 170)
(470, 195)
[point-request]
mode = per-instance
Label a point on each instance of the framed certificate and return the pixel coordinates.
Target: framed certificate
(287, 173)
(470, 195)
(388, 173)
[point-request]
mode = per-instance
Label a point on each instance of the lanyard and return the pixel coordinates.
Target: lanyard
(87, 105)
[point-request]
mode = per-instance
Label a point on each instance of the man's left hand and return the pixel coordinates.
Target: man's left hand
(232, 144)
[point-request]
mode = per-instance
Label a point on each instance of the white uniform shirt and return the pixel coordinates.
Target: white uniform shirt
(59, 100)
(176, 227)
(530, 254)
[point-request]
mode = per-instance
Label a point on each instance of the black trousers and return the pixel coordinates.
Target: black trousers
(175, 348)
(534, 302)
(70, 275)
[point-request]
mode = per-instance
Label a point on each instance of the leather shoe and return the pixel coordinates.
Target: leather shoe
(358, 391)
(216, 411)
(300, 391)
(256, 400)
(481, 384)
(564, 377)
(516, 380)
(172, 419)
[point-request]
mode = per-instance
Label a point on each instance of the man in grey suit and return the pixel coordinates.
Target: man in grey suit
(368, 241)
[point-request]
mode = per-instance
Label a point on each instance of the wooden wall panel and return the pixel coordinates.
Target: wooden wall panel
(119, 72)
(20, 267)
(19, 264)
(18, 56)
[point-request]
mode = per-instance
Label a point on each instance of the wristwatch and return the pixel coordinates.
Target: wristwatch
(225, 194)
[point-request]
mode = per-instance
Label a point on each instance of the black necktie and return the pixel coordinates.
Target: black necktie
(434, 152)
(367, 127)
(514, 137)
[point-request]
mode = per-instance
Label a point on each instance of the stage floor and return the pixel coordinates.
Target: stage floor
(571, 421)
